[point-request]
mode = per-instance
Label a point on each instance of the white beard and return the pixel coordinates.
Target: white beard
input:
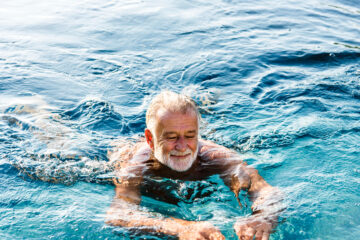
(176, 164)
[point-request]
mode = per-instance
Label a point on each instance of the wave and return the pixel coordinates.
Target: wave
(273, 79)
(96, 115)
(55, 170)
(335, 88)
(287, 133)
(302, 58)
(53, 146)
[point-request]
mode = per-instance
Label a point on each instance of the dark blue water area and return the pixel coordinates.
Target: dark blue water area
(278, 82)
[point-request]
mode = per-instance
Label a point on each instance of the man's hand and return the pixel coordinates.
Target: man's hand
(254, 226)
(200, 231)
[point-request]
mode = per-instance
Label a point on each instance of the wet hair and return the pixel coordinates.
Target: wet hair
(170, 101)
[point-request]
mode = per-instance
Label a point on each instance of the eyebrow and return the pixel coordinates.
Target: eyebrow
(169, 133)
(172, 132)
(191, 131)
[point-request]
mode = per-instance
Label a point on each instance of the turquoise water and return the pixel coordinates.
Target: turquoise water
(278, 81)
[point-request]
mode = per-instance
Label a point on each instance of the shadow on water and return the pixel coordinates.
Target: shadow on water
(320, 59)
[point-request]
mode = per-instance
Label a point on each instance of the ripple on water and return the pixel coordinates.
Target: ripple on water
(274, 78)
(44, 146)
(284, 87)
(315, 59)
(94, 114)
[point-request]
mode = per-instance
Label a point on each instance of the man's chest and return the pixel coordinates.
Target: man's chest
(175, 191)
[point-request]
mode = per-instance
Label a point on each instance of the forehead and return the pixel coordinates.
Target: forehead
(176, 121)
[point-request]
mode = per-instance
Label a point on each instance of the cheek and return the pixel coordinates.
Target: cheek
(167, 146)
(193, 145)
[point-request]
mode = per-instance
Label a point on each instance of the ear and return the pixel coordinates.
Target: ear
(149, 138)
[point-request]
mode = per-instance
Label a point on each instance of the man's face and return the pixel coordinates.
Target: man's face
(176, 139)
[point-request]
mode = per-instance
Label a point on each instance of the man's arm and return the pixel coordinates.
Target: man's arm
(239, 176)
(266, 205)
(126, 212)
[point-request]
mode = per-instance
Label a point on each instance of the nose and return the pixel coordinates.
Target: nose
(181, 145)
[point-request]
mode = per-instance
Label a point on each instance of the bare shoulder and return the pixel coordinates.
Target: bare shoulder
(128, 158)
(123, 151)
(209, 149)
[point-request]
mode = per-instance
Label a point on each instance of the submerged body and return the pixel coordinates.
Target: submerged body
(173, 150)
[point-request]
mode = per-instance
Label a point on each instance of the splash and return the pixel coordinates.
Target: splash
(50, 145)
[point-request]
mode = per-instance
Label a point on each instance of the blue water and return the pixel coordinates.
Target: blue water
(278, 81)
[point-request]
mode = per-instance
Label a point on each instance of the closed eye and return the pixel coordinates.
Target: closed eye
(170, 136)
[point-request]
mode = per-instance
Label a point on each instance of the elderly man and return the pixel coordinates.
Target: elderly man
(173, 150)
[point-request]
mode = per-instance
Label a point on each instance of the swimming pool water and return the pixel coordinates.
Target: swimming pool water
(278, 81)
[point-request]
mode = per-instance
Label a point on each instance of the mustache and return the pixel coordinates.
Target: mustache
(177, 153)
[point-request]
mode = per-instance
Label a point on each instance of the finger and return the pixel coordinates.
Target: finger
(216, 236)
(210, 234)
(258, 235)
(240, 230)
(196, 237)
(249, 233)
(265, 236)
(244, 232)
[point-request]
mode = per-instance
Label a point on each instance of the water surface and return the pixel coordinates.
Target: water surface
(278, 81)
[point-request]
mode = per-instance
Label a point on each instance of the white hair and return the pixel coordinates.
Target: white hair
(169, 101)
